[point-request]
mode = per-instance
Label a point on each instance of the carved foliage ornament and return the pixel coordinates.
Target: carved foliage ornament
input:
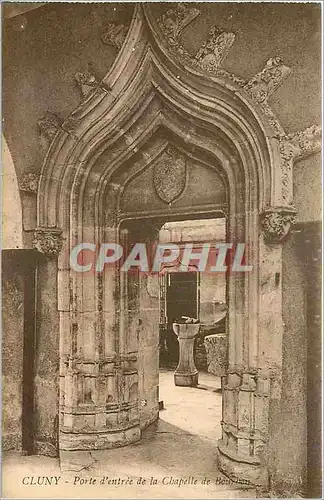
(212, 52)
(48, 241)
(294, 146)
(49, 125)
(306, 142)
(86, 82)
(276, 223)
(174, 20)
(29, 183)
(169, 176)
(263, 84)
(114, 35)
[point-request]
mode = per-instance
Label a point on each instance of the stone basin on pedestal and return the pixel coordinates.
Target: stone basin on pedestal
(186, 373)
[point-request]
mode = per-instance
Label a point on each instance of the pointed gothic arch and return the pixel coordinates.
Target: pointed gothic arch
(108, 140)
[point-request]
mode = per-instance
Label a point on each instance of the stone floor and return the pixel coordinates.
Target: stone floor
(180, 446)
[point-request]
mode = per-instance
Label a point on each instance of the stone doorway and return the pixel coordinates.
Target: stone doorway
(159, 138)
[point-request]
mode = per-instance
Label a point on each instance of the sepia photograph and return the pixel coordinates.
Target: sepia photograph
(161, 266)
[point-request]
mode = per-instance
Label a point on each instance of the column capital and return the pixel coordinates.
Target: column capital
(48, 240)
(276, 223)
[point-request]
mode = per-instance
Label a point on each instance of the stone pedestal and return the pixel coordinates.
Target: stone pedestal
(216, 351)
(186, 373)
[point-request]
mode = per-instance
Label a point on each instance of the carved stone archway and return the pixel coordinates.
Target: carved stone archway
(155, 84)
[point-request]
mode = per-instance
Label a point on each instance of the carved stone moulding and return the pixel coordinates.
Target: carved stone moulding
(293, 147)
(248, 473)
(276, 223)
(99, 440)
(48, 240)
(29, 183)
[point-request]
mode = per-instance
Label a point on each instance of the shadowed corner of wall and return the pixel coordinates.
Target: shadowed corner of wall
(12, 233)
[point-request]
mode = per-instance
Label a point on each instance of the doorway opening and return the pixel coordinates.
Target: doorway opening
(153, 302)
(181, 300)
(194, 294)
(200, 296)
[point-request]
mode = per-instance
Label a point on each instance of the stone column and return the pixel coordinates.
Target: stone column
(251, 394)
(99, 388)
(186, 373)
(48, 242)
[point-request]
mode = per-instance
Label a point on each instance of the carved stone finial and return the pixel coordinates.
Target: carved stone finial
(174, 20)
(212, 52)
(29, 183)
(86, 82)
(306, 142)
(170, 172)
(215, 49)
(276, 223)
(292, 147)
(48, 240)
(262, 85)
(114, 35)
(49, 125)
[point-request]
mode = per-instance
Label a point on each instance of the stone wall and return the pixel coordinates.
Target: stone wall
(212, 290)
(12, 349)
(40, 63)
(288, 421)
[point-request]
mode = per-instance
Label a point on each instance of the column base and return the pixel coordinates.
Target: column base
(100, 440)
(186, 379)
(247, 471)
(45, 448)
